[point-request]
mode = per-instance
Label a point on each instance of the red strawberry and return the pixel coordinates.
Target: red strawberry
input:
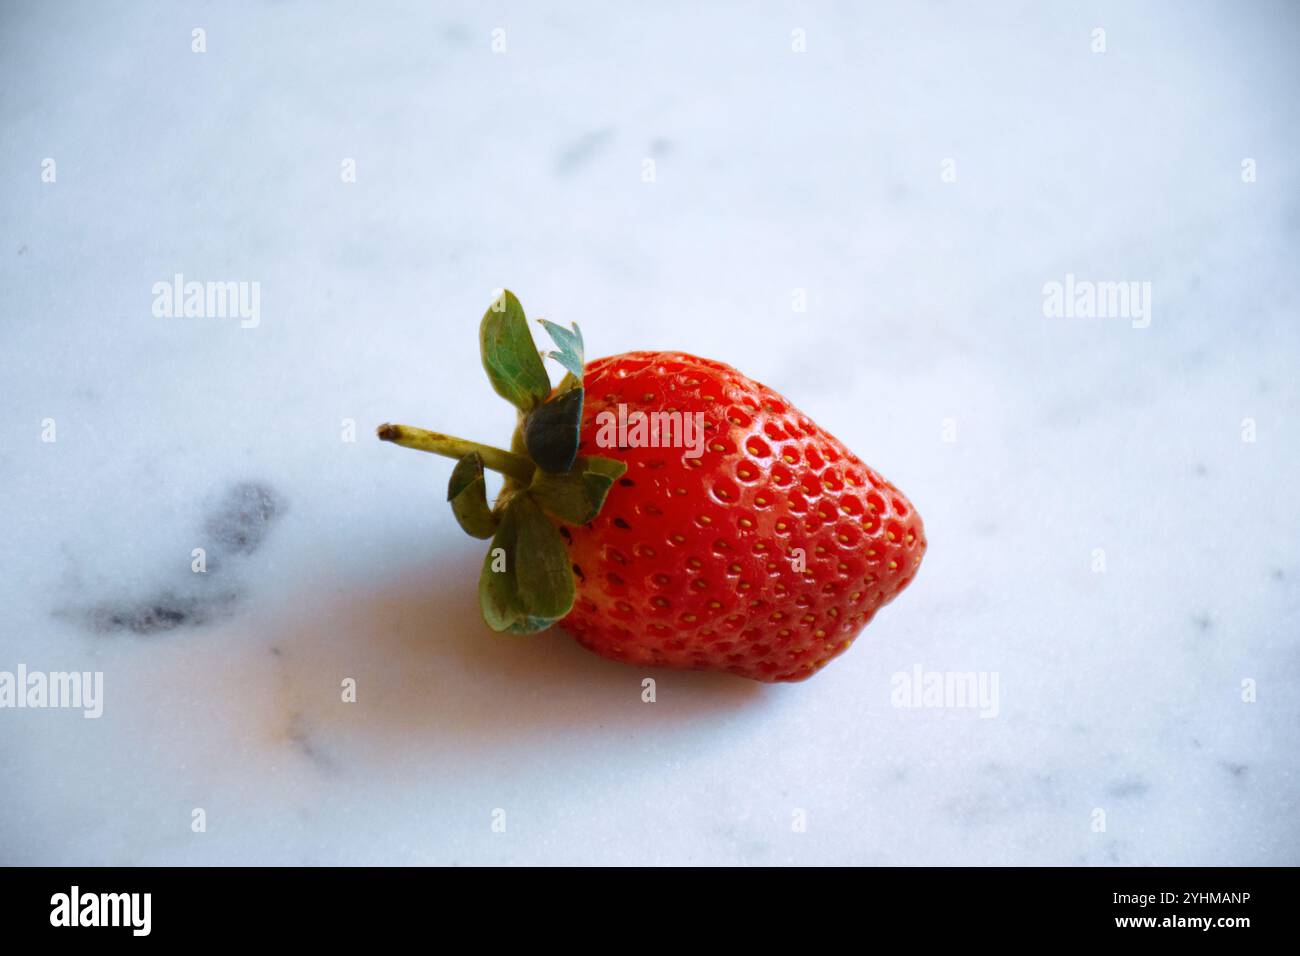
(693, 562)
(762, 550)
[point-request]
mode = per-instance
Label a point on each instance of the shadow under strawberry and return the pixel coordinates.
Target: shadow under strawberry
(430, 679)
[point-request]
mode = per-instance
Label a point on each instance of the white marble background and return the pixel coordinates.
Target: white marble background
(776, 171)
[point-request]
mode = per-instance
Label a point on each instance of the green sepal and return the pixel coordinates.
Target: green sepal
(551, 432)
(534, 587)
(510, 356)
(568, 383)
(467, 493)
(544, 572)
(570, 353)
(530, 625)
(498, 596)
(577, 497)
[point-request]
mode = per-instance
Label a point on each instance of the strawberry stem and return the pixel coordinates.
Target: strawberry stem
(507, 463)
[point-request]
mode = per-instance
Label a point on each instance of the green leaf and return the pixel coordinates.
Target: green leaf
(467, 492)
(544, 573)
(570, 354)
(578, 496)
(498, 593)
(510, 357)
(551, 431)
(526, 584)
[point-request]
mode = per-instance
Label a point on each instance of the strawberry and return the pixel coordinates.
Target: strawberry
(669, 511)
(764, 557)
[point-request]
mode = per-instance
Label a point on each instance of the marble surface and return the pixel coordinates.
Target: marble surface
(1119, 690)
